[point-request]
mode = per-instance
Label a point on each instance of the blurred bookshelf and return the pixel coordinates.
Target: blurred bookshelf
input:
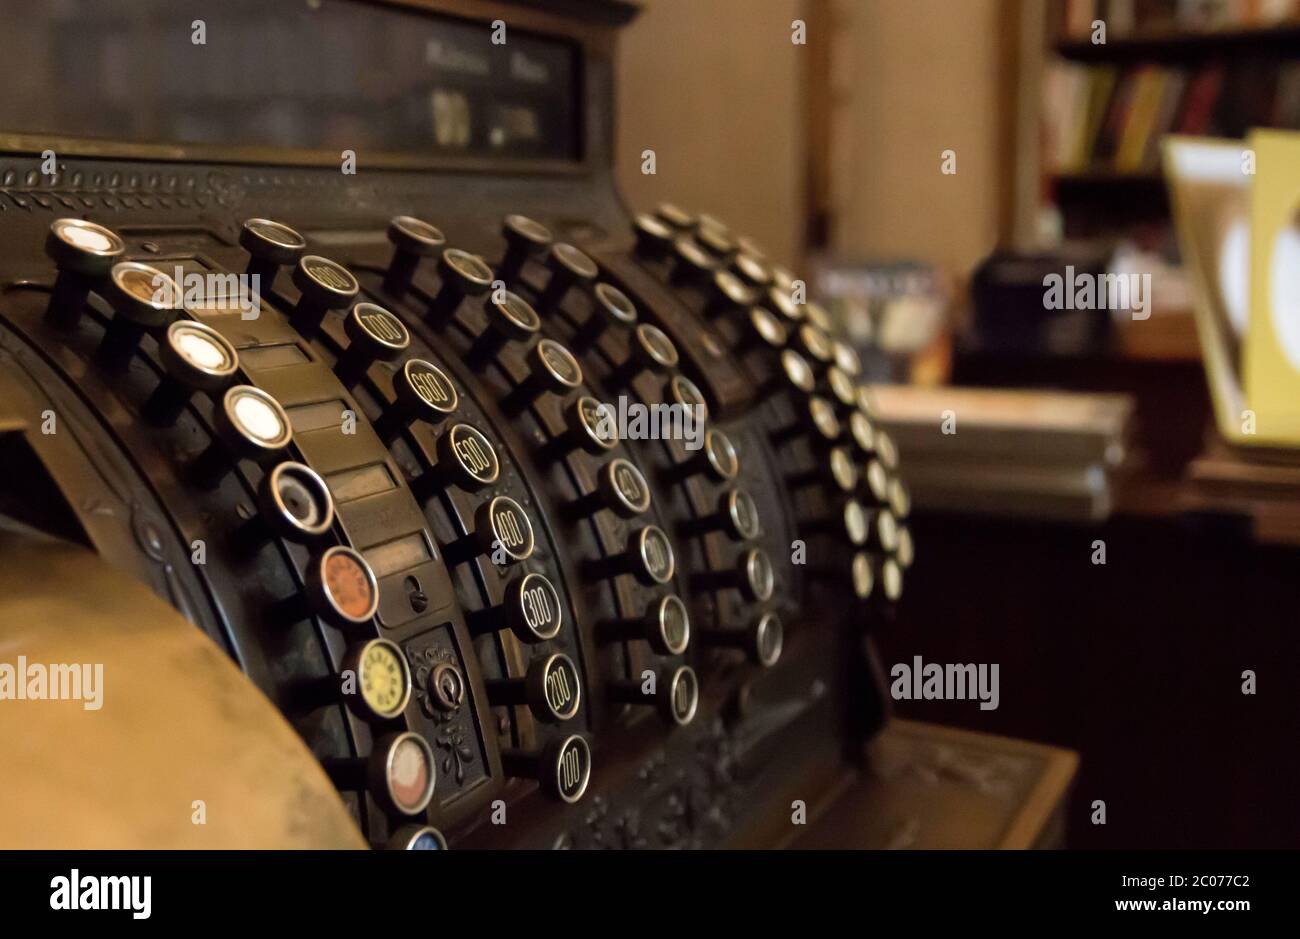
(1107, 98)
(1199, 67)
(1174, 45)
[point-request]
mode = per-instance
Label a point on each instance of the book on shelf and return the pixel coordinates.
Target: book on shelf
(1108, 119)
(1124, 18)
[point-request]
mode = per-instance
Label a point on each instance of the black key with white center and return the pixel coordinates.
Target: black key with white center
(195, 358)
(84, 252)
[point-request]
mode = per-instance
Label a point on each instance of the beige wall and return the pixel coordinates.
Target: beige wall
(924, 79)
(712, 86)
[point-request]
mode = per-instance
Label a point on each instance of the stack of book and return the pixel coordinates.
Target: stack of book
(1029, 454)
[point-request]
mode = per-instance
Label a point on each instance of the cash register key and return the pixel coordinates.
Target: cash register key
(374, 335)
(382, 685)
(847, 359)
(886, 451)
(815, 345)
(648, 557)
(675, 695)
(752, 575)
(884, 532)
(552, 369)
(761, 641)
(510, 318)
(611, 307)
(463, 275)
(551, 689)
(589, 425)
(568, 266)
(562, 767)
(862, 575)
(143, 299)
(783, 280)
(900, 500)
(777, 299)
(877, 479)
(654, 237)
(715, 239)
(793, 373)
(250, 425)
(466, 459)
(906, 550)
(686, 394)
(413, 240)
(342, 588)
(865, 403)
(502, 533)
(751, 269)
(693, 265)
(675, 217)
(762, 331)
(736, 516)
(530, 609)
(525, 238)
(270, 246)
(814, 419)
(422, 392)
(416, 838)
(844, 472)
(891, 579)
(862, 433)
(293, 503)
(84, 253)
(844, 394)
(651, 350)
(324, 286)
(837, 468)
(711, 222)
(729, 293)
(400, 772)
(620, 488)
(817, 315)
(665, 625)
(750, 246)
(195, 358)
(717, 460)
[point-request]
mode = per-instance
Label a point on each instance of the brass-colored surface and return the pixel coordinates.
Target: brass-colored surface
(178, 725)
(929, 787)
